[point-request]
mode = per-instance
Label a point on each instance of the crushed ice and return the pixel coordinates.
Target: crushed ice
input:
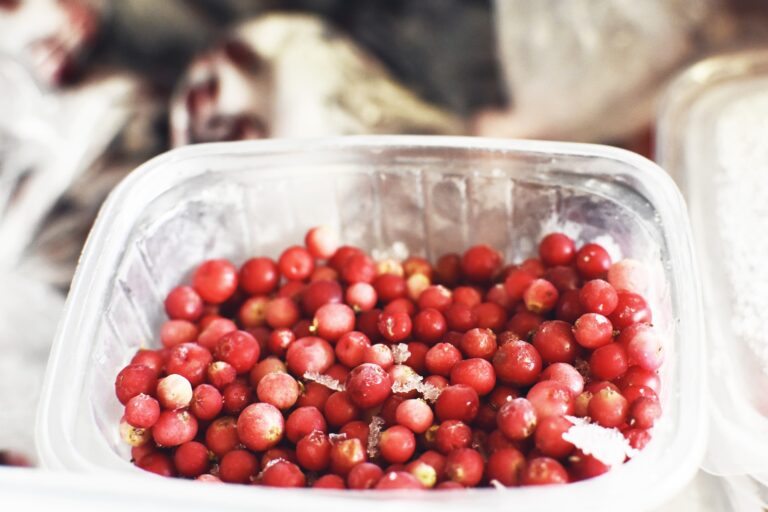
(400, 353)
(324, 380)
(608, 445)
(374, 433)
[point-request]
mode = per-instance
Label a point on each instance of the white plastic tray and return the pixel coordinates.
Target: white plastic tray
(432, 194)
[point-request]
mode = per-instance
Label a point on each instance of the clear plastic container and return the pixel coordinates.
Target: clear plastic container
(690, 146)
(432, 194)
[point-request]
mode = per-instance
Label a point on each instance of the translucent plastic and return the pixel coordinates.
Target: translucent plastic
(687, 147)
(431, 194)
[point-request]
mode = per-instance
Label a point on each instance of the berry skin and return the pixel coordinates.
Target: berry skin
(598, 296)
(593, 261)
(215, 281)
(397, 444)
(134, 379)
(557, 249)
(260, 426)
(368, 385)
(555, 342)
(506, 466)
(296, 264)
(517, 419)
(394, 480)
(283, 474)
(395, 327)
(480, 263)
(457, 402)
(239, 349)
(592, 331)
(465, 466)
(540, 296)
(142, 411)
(184, 303)
(543, 471)
(608, 408)
(517, 363)
(259, 276)
(322, 242)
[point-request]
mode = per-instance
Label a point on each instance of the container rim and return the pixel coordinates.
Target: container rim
(673, 472)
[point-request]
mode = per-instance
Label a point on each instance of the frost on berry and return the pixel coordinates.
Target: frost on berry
(607, 445)
(374, 433)
(415, 382)
(412, 383)
(400, 353)
(336, 438)
(324, 380)
(268, 465)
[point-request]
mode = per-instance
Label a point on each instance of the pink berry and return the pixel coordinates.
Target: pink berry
(260, 426)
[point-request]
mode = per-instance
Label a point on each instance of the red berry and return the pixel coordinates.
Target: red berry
(260, 426)
(480, 263)
(516, 419)
(441, 359)
(448, 269)
(238, 467)
(608, 408)
(479, 343)
(584, 466)
(435, 297)
(206, 403)
(516, 283)
(457, 402)
(364, 476)
(543, 471)
(153, 359)
(592, 261)
(313, 451)
(221, 436)
(555, 342)
(460, 317)
(259, 276)
(643, 346)
(490, 316)
(394, 327)
(549, 437)
(476, 373)
(414, 414)
(505, 466)
(189, 360)
(310, 354)
(346, 454)
(630, 309)
(389, 287)
(329, 481)
(174, 428)
(339, 409)
(278, 389)
(295, 263)
(239, 349)
(213, 332)
(175, 332)
(397, 444)
(184, 303)
(322, 242)
(361, 297)
(592, 330)
(517, 363)
(158, 463)
(628, 275)
(638, 376)
(644, 412)
(394, 480)
(236, 396)
(350, 348)
(550, 398)
(332, 321)
(191, 459)
(565, 374)
(540, 296)
(142, 411)
(368, 385)
(303, 421)
(319, 293)
(609, 362)
(564, 278)
(429, 325)
(557, 249)
(283, 474)
(598, 296)
(135, 379)
(358, 269)
(215, 280)
(379, 354)
(465, 466)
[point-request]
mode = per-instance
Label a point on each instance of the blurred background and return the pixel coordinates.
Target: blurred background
(90, 89)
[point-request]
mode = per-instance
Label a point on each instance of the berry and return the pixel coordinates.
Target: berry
(313, 451)
(592, 331)
(184, 303)
(191, 459)
(296, 264)
(609, 362)
(631, 308)
(174, 428)
(464, 466)
(368, 385)
(457, 402)
(310, 354)
(322, 242)
(480, 263)
(303, 421)
(543, 471)
(239, 349)
(397, 444)
(479, 343)
(238, 467)
(283, 474)
(550, 398)
(608, 408)
(142, 411)
(395, 327)
(556, 249)
(505, 466)
(476, 373)
(592, 261)
(278, 389)
(517, 363)
(364, 476)
(135, 379)
(260, 426)
(598, 296)
(555, 342)
(259, 276)
(215, 281)
(516, 419)
(414, 414)
(540, 296)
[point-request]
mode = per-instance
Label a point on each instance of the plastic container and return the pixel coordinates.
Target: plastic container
(430, 194)
(689, 146)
